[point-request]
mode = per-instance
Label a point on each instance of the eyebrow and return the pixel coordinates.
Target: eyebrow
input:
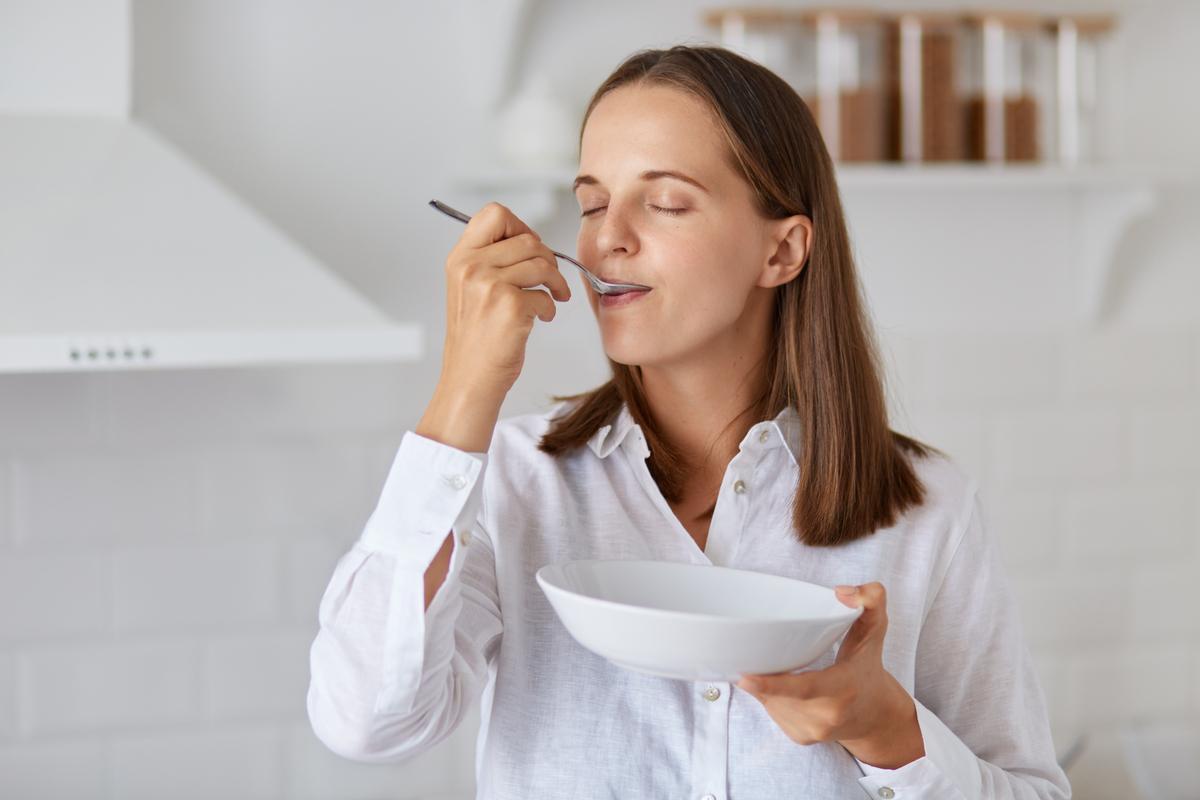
(648, 175)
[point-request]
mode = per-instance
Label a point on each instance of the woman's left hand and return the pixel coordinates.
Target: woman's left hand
(855, 702)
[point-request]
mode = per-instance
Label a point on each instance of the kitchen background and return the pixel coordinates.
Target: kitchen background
(167, 526)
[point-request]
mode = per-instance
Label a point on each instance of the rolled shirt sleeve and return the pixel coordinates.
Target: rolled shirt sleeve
(979, 703)
(391, 678)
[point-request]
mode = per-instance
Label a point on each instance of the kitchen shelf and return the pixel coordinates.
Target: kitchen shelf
(1097, 202)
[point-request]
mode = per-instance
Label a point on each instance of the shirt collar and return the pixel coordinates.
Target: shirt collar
(783, 430)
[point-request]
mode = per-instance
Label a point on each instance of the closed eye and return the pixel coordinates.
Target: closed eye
(671, 212)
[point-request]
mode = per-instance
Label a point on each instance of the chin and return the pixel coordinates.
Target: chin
(625, 350)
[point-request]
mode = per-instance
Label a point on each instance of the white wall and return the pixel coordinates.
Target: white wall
(165, 536)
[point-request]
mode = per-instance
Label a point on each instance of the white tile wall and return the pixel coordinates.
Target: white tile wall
(36, 770)
(98, 685)
(8, 698)
(51, 595)
(158, 592)
(221, 586)
(243, 761)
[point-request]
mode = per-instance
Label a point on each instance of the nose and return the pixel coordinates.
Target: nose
(615, 233)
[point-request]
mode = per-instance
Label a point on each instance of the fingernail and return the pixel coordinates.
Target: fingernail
(846, 589)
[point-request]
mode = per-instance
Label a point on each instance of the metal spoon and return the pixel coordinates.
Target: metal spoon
(601, 287)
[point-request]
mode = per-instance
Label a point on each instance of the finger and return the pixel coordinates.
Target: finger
(871, 625)
(537, 272)
(538, 303)
(514, 250)
(492, 223)
(523, 247)
(799, 686)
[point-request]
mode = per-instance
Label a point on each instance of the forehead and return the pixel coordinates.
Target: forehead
(638, 124)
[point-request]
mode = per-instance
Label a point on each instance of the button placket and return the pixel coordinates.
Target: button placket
(710, 743)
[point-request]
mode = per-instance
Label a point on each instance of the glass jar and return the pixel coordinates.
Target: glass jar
(833, 58)
(925, 122)
(848, 94)
(775, 38)
(1081, 53)
(1008, 79)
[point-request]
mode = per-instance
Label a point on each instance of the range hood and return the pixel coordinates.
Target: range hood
(117, 251)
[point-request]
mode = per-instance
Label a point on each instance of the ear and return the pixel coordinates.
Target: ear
(789, 241)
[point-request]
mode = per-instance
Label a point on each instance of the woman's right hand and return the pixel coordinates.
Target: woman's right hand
(490, 310)
(490, 302)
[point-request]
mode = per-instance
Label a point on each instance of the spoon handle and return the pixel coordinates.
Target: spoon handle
(445, 209)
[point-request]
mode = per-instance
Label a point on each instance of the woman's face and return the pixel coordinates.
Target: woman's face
(701, 248)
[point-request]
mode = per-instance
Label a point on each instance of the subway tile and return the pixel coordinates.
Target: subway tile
(243, 762)
(314, 772)
(1164, 441)
(982, 371)
(48, 410)
(1043, 448)
(1143, 682)
(258, 675)
(104, 497)
(99, 686)
(1028, 527)
(1063, 608)
(7, 534)
(224, 584)
(9, 722)
(1113, 366)
(1129, 523)
(53, 595)
(291, 488)
(235, 403)
(1162, 599)
(64, 769)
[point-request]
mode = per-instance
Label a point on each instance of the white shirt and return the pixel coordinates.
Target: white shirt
(390, 680)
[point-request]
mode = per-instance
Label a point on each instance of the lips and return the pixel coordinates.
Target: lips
(614, 279)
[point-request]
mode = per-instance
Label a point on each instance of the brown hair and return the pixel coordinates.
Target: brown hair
(854, 477)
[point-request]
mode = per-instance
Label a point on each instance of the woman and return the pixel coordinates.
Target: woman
(744, 425)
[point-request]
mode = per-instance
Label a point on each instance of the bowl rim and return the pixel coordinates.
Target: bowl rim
(850, 614)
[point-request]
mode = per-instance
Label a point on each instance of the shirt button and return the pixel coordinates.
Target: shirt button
(457, 481)
(886, 792)
(712, 693)
(464, 538)
(763, 435)
(739, 487)
(709, 797)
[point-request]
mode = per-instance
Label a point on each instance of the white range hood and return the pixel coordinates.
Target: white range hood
(119, 252)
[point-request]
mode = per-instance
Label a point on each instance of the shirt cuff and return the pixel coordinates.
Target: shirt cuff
(430, 490)
(948, 769)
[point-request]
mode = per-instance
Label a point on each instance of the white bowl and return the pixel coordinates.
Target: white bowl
(694, 622)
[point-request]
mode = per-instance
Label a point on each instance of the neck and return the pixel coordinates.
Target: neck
(704, 406)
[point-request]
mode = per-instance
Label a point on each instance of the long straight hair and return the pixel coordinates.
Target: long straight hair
(855, 474)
